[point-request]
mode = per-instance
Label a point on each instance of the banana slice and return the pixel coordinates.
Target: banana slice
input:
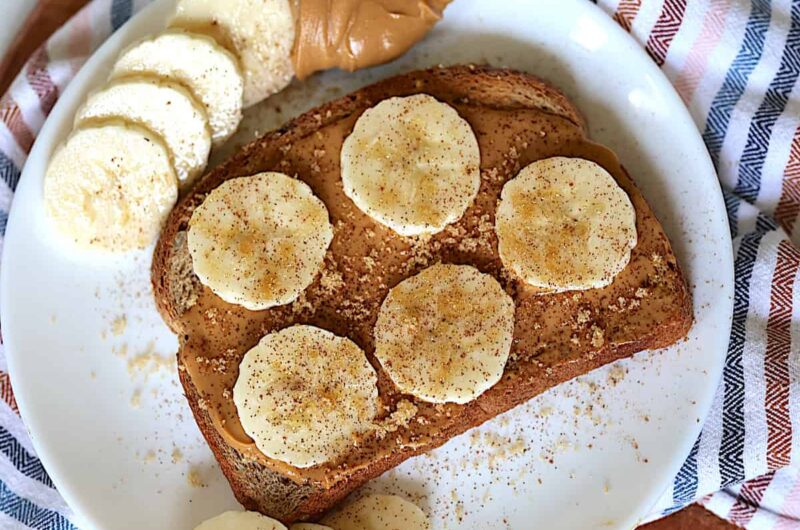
(303, 395)
(110, 187)
(259, 241)
(240, 521)
(565, 224)
(444, 335)
(309, 526)
(165, 108)
(197, 62)
(379, 512)
(411, 163)
(259, 32)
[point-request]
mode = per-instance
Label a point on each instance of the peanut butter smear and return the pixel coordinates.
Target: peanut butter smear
(553, 332)
(353, 34)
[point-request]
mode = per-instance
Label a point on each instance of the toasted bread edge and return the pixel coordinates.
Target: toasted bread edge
(266, 491)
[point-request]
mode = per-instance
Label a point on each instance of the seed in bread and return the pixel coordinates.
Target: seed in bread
(565, 224)
(110, 187)
(303, 394)
(411, 163)
(259, 241)
(444, 335)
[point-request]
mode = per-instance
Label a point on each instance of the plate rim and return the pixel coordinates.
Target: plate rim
(29, 418)
(685, 117)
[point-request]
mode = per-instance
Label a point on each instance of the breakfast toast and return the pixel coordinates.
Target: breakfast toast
(517, 119)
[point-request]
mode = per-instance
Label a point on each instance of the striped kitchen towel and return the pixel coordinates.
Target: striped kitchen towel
(736, 64)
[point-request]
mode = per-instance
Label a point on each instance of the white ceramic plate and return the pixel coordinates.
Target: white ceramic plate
(93, 366)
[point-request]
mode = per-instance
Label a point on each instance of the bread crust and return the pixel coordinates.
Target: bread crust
(256, 486)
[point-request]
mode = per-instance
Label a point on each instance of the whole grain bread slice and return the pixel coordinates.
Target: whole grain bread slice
(517, 119)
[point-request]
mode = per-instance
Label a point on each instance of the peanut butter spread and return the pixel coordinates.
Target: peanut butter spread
(353, 34)
(366, 259)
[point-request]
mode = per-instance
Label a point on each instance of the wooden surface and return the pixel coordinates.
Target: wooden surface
(48, 15)
(692, 518)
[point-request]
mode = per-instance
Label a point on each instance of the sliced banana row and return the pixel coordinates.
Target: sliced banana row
(240, 521)
(197, 62)
(259, 32)
(259, 241)
(565, 224)
(178, 91)
(372, 512)
(411, 163)
(303, 394)
(165, 108)
(186, 87)
(379, 512)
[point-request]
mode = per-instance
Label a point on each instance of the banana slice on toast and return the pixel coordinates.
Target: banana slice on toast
(303, 394)
(412, 164)
(259, 241)
(445, 334)
(565, 224)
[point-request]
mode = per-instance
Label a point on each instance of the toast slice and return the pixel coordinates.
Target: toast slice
(517, 119)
